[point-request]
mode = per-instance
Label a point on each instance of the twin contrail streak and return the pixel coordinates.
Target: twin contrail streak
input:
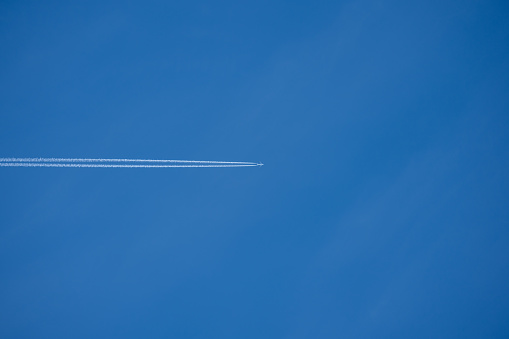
(117, 163)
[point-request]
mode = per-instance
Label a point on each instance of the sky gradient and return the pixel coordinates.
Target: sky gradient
(381, 210)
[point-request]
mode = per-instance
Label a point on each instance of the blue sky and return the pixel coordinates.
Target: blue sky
(381, 210)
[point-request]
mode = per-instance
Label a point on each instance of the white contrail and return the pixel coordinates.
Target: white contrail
(46, 164)
(122, 160)
(116, 163)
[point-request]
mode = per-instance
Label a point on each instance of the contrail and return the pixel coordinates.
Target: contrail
(42, 164)
(118, 163)
(120, 160)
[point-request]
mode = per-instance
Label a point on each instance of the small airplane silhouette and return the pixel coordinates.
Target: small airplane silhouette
(259, 164)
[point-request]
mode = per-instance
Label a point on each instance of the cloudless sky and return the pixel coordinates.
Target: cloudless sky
(381, 211)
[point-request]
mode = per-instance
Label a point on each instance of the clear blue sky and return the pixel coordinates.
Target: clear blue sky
(381, 211)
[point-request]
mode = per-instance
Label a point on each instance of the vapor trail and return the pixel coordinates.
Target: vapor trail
(47, 164)
(122, 160)
(116, 163)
